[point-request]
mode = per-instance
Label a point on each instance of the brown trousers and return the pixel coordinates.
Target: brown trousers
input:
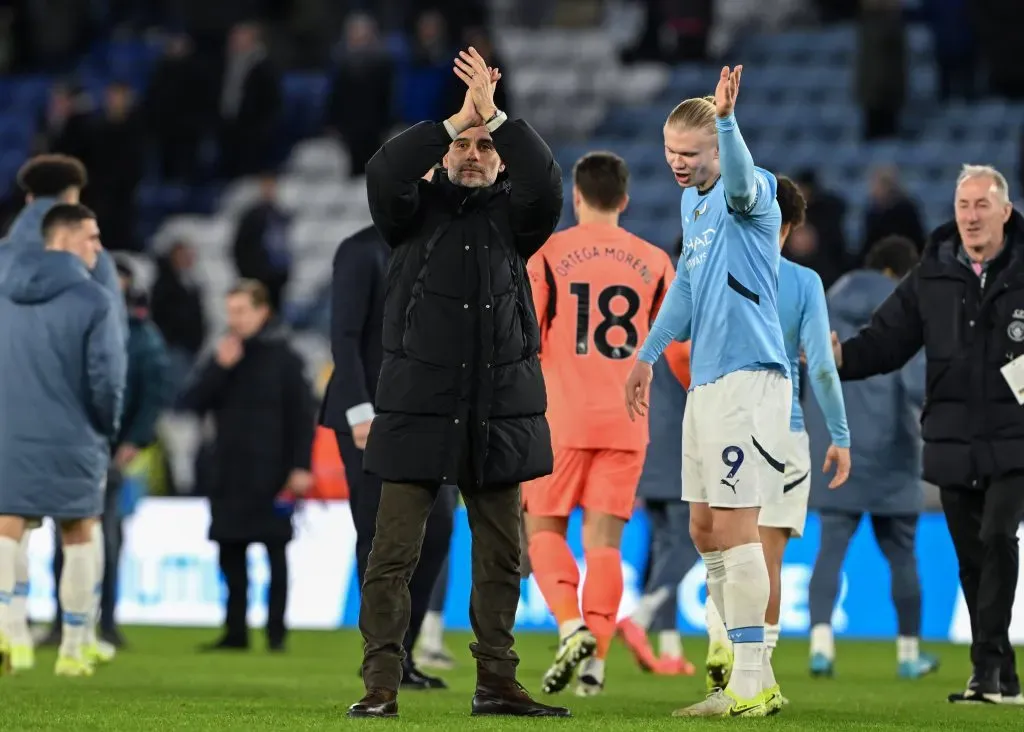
(495, 517)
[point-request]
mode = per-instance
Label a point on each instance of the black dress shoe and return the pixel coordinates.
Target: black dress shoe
(415, 680)
(227, 643)
(376, 703)
(500, 696)
(983, 687)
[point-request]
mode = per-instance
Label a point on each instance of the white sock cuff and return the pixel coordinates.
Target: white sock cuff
(742, 555)
(714, 562)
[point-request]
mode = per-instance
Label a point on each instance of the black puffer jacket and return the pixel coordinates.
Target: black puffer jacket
(972, 425)
(460, 384)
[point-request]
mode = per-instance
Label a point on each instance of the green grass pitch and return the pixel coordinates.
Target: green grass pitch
(161, 683)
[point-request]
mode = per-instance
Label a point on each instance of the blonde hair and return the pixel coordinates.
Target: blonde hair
(697, 113)
(999, 183)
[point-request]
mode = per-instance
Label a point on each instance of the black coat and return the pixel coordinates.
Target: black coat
(461, 376)
(265, 416)
(972, 426)
(357, 318)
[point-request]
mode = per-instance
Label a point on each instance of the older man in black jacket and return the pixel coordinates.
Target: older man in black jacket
(461, 397)
(357, 318)
(964, 303)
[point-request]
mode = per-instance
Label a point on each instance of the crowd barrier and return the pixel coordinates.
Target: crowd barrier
(170, 576)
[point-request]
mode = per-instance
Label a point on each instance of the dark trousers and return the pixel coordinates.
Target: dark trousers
(112, 536)
(895, 536)
(235, 568)
(672, 556)
(364, 500)
(494, 514)
(983, 525)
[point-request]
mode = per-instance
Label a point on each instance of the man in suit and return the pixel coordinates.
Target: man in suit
(357, 319)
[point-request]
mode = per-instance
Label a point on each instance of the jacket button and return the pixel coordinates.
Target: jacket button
(463, 365)
(971, 323)
(487, 307)
(466, 306)
(444, 477)
(456, 421)
(467, 248)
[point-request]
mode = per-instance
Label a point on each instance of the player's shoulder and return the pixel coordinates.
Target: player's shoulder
(807, 276)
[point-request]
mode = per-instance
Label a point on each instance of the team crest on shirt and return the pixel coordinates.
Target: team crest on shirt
(1016, 329)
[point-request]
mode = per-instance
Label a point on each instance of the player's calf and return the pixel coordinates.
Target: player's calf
(77, 592)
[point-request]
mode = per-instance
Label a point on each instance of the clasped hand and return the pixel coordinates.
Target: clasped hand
(480, 80)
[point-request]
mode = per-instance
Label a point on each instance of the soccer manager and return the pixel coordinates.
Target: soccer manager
(461, 397)
(964, 303)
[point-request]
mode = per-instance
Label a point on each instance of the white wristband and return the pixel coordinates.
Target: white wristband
(450, 129)
(497, 122)
(359, 413)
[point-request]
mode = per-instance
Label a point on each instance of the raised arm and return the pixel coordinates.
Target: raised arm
(393, 176)
(735, 163)
(674, 318)
(894, 335)
(535, 184)
(816, 340)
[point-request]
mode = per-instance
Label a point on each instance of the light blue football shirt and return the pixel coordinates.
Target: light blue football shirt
(803, 313)
(725, 294)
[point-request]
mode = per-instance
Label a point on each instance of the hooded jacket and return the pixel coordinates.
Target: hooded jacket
(63, 360)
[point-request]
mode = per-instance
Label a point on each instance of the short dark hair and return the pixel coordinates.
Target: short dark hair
(895, 253)
(51, 175)
(65, 214)
(603, 179)
(791, 202)
(256, 291)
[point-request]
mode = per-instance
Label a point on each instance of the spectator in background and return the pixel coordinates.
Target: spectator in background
(262, 404)
(881, 66)
(360, 104)
(177, 307)
(261, 248)
(117, 151)
(826, 214)
(674, 31)
(954, 45)
(804, 246)
(424, 76)
(250, 103)
(890, 212)
(65, 126)
(886, 484)
(179, 106)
